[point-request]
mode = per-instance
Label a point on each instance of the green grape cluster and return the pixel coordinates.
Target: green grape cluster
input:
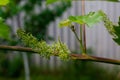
(41, 47)
(27, 39)
(108, 24)
(61, 50)
(117, 32)
(113, 29)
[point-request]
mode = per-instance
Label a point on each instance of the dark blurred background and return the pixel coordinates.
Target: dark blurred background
(42, 21)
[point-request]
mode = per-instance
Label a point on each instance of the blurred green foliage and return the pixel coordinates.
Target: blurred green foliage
(10, 68)
(36, 23)
(77, 70)
(6, 12)
(72, 70)
(10, 10)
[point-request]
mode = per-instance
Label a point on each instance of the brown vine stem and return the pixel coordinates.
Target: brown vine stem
(16, 48)
(95, 59)
(72, 56)
(83, 27)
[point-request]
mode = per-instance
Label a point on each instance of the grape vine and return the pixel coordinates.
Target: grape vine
(60, 49)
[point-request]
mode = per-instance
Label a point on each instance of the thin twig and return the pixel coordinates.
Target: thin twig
(73, 56)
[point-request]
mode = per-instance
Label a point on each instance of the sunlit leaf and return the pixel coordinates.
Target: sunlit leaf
(92, 18)
(65, 23)
(51, 1)
(1, 19)
(77, 19)
(4, 31)
(4, 2)
(89, 19)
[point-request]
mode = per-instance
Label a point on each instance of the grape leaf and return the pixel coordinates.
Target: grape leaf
(4, 2)
(89, 19)
(92, 18)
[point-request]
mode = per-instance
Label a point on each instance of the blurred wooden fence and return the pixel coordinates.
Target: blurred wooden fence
(98, 38)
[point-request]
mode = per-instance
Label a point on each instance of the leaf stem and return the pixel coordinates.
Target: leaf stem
(79, 39)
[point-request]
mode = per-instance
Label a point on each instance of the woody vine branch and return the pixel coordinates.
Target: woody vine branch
(72, 56)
